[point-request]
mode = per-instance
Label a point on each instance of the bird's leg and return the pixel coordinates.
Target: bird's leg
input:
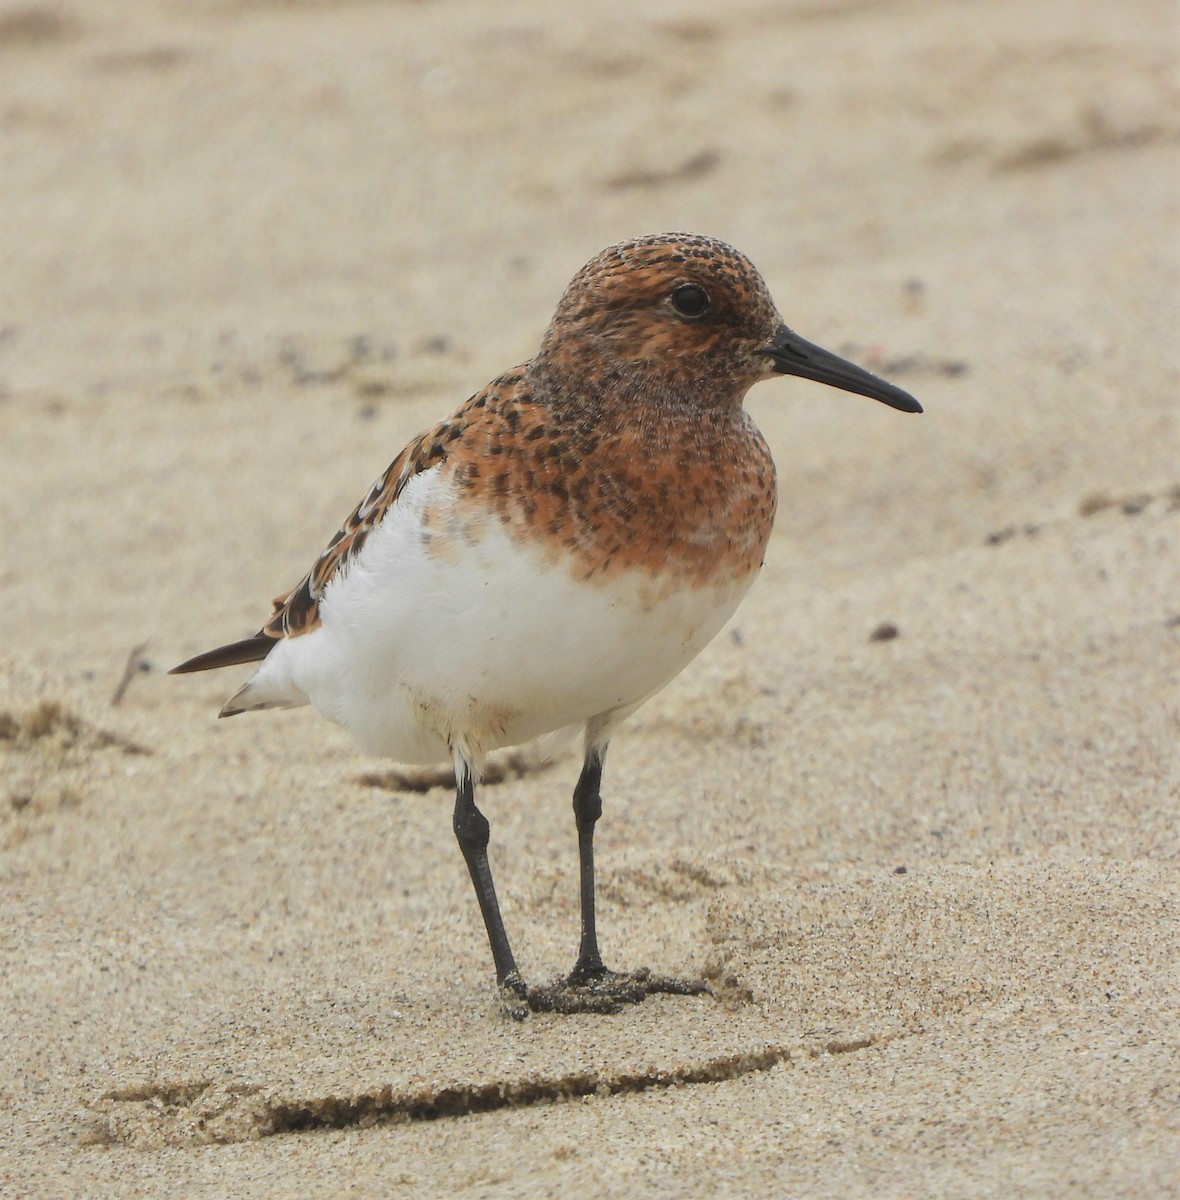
(590, 986)
(472, 832)
(587, 810)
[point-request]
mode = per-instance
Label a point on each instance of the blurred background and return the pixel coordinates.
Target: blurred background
(221, 218)
(918, 802)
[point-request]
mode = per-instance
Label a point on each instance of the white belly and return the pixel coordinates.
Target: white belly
(479, 641)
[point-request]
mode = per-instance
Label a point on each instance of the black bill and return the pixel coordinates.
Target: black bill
(793, 355)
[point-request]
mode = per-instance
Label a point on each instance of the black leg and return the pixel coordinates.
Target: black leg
(590, 986)
(587, 810)
(472, 832)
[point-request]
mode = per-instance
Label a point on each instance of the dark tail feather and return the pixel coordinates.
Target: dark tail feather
(251, 650)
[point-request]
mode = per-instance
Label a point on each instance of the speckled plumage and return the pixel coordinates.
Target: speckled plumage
(624, 439)
(559, 548)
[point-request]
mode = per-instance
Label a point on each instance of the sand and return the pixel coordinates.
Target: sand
(247, 249)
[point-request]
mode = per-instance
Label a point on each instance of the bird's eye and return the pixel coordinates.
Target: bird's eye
(690, 301)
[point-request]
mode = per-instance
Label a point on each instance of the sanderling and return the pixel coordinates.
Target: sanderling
(554, 553)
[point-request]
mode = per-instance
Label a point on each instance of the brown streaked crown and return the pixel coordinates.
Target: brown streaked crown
(618, 329)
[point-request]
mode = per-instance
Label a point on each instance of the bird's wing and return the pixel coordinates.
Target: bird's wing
(297, 612)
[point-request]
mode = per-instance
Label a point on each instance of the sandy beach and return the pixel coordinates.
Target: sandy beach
(916, 812)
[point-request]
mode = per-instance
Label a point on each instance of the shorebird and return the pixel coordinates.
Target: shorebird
(554, 553)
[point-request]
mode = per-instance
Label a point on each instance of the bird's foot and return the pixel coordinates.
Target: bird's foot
(514, 997)
(597, 990)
